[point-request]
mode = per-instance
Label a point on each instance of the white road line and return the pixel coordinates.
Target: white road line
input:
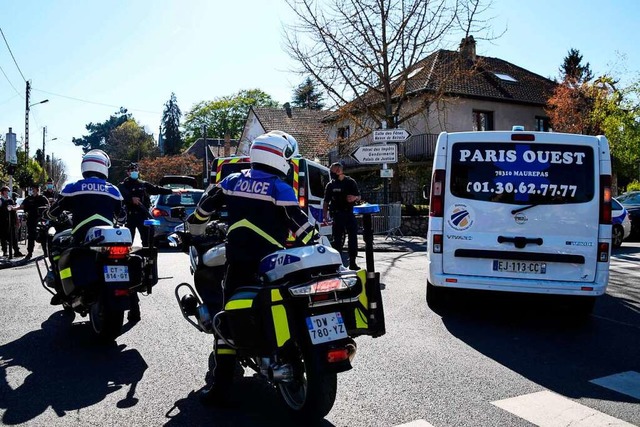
(548, 409)
(416, 423)
(625, 382)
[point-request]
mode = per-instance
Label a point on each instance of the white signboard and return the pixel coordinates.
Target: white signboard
(390, 135)
(386, 173)
(376, 154)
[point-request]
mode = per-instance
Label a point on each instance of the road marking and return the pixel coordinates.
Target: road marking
(416, 423)
(625, 382)
(548, 409)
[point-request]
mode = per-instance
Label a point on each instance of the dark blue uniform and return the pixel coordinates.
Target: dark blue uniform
(92, 201)
(137, 214)
(344, 220)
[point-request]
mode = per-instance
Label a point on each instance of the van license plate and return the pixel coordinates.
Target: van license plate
(116, 273)
(326, 327)
(520, 267)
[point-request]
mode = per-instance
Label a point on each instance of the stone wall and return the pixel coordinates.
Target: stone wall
(414, 225)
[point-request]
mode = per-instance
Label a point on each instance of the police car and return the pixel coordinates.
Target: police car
(621, 223)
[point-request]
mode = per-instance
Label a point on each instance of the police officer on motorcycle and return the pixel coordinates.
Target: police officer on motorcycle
(92, 201)
(262, 209)
(136, 198)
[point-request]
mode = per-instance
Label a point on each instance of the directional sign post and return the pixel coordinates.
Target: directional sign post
(376, 154)
(390, 135)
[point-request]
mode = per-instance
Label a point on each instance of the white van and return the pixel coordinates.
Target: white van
(520, 211)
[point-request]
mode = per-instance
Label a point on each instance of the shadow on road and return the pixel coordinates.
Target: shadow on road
(534, 336)
(37, 372)
(253, 403)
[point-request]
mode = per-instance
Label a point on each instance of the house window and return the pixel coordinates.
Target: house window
(542, 124)
(344, 133)
(482, 120)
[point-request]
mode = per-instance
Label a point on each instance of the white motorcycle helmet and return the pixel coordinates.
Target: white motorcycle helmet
(274, 150)
(95, 163)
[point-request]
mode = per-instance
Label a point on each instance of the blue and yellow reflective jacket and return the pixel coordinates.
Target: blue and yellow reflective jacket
(262, 209)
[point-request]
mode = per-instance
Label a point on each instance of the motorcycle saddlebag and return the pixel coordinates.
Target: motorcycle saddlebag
(256, 319)
(366, 315)
(78, 271)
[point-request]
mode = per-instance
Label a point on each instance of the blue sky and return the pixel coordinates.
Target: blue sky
(91, 57)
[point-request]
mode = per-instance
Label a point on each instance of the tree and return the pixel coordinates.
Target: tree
(308, 95)
(154, 169)
(572, 70)
(356, 49)
(225, 115)
(172, 142)
(128, 143)
(99, 132)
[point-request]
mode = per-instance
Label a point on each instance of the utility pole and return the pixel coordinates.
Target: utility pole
(205, 158)
(26, 122)
(44, 133)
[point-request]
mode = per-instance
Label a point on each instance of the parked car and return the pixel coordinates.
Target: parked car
(186, 196)
(621, 223)
(631, 202)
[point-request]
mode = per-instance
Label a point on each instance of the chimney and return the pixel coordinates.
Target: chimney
(468, 48)
(287, 108)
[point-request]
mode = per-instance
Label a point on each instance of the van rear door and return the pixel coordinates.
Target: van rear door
(523, 206)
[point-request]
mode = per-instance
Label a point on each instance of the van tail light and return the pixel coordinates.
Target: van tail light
(603, 252)
(437, 243)
(118, 252)
(158, 213)
(302, 201)
(436, 204)
(605, 199)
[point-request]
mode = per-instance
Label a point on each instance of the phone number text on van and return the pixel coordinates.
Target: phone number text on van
(523, 188)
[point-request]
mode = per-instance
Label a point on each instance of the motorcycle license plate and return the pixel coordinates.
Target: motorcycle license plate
(116, 273)
(326, 327)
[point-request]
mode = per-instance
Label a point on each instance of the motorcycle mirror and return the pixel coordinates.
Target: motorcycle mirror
(178, 212)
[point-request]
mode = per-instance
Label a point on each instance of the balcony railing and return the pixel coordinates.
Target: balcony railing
(418, 148)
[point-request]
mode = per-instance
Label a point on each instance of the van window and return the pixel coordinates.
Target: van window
(229, 168)
(522, 173)
(318, 179)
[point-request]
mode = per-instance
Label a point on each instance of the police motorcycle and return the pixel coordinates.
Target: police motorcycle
(97, 276)
(296, 327)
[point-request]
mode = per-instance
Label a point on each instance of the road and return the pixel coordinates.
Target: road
(494, 360)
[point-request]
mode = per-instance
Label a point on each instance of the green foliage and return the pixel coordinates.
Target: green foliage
(572, 69)
(633, 186)
(225, 115)
(308, 95)
(99, 132)
(128, 143)
(172, 141)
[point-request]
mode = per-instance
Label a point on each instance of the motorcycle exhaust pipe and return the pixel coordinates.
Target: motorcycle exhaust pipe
(281, 373)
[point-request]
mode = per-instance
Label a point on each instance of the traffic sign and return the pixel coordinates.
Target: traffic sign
(390, 135)
(376, 154)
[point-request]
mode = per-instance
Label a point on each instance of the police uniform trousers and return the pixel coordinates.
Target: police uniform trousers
(344, 222)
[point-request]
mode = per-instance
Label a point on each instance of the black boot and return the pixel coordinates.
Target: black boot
(216, 395)
(134, 311)
(56, 299)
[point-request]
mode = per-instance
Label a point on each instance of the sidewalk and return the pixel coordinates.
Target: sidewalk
(382, 243)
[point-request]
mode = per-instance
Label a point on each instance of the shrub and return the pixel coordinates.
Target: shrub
(633, 185)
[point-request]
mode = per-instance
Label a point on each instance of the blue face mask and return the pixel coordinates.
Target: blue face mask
(50, 186)
(134, 175)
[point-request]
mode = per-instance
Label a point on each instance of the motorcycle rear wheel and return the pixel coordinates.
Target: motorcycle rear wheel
(313, 391)
(106, 323)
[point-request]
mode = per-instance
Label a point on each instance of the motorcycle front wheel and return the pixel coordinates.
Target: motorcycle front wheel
(313, 391)
(106, 323)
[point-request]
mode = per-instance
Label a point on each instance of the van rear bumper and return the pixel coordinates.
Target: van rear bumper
(549, 287)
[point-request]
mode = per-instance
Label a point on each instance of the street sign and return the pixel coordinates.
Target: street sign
(386, 173)
(376, 154)
(390, 135)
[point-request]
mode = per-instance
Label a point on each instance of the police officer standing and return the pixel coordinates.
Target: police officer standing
(136, 194)
(340, 195)
(8, 223)
(49, 191)
(31, 206)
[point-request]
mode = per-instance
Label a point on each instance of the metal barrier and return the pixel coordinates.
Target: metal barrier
(388, 221)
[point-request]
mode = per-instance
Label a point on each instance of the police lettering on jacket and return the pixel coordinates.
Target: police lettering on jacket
(93, 186)
(255, 187)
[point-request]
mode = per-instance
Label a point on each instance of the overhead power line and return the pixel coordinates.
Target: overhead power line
(14, 58)
(5, 76)
(95, 103)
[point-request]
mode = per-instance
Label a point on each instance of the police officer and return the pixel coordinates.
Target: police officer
(92, 200)
(340, 195)
(8, 219)
(32, 206)
(49, 191)
(136, 198)
(262, 209)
